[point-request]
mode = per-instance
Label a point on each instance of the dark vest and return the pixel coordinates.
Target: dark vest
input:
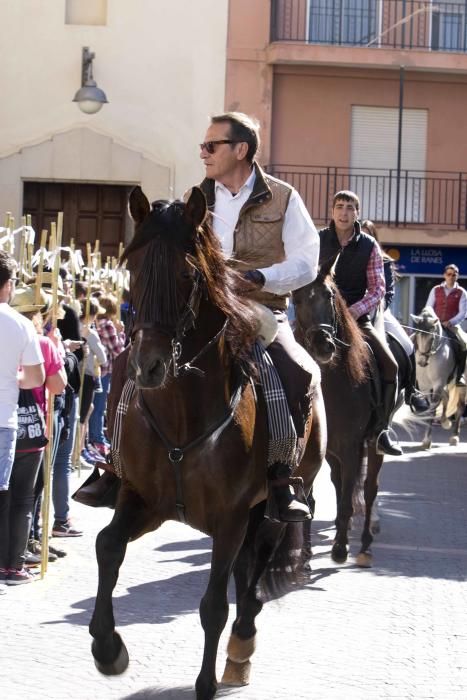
(350, 271)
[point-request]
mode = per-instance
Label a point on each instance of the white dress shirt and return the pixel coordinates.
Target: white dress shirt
(459, 317)
(299, 236)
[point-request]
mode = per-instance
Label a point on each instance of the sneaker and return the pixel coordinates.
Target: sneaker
(88, 457)
(65, 530)
(31, 559)
(58, 552)
(94, 453)
(3, 575)
(18, 576)
(101, 448)
(35, 550)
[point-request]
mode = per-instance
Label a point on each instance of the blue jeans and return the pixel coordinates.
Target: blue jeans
(7, 455)
(96, 420)
(63, 469)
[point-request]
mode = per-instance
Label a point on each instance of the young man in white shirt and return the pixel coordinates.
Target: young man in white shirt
(21, 365)
(265, 228)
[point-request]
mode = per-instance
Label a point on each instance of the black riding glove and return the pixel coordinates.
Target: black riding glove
(256, 277)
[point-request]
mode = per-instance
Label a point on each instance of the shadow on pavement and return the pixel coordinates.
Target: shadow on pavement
(175, 693)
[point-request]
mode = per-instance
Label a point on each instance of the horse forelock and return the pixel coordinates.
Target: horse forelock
(166, 234)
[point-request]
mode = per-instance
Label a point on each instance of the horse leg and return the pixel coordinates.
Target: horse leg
(214, 607)
(375, 461)
(454, 439)
(254, 557)
(349, 475)
(109, 652)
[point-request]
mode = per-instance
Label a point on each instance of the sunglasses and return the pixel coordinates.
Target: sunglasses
(210, 146)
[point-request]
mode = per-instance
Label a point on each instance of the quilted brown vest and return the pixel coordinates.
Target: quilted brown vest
(258, 233)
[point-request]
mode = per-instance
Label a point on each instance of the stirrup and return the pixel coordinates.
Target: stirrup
(294, 506)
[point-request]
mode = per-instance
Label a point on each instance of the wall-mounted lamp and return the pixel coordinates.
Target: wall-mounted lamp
(89, 97)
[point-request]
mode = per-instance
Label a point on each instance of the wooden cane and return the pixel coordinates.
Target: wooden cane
(50, 419)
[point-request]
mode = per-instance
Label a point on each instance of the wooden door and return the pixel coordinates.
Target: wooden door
(90, 212)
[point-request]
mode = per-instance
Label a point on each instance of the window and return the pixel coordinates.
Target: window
(449, 26)
(373, 161)
(92, 12)
(350, 22)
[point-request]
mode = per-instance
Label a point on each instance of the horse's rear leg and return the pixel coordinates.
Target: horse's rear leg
(214, 608)
(250, 565)
(109, 652)
(375, 461)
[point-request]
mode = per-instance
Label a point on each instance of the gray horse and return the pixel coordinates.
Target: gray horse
(436, 373)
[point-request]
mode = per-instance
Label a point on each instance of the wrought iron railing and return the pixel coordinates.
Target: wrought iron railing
(398, 24)
(428, 198)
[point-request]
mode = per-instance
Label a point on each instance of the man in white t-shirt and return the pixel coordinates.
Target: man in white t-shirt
(21, 365)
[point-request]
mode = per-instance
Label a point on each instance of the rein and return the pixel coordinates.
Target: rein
(176, 454)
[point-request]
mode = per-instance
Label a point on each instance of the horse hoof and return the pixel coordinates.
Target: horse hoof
(116, 667)
(446, 424)
(339, 553)
(426, 445)
(236, 674)
(240, 650)
(364, 559)
(454, 440)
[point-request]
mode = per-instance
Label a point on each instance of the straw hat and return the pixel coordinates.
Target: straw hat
(24, 300)
(47, 280)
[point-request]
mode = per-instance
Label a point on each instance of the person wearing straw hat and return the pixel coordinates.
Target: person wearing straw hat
(17, 493)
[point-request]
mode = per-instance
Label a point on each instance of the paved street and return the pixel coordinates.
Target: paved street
(398, 630)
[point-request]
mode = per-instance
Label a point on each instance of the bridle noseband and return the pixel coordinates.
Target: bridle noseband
(185, 323)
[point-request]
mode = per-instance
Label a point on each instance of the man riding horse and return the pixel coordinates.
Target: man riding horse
(264, 227)
(449, 302)
(359, 275)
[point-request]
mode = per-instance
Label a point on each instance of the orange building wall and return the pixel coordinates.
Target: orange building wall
(311, 115)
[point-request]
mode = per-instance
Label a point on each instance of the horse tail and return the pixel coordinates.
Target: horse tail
(289, 564)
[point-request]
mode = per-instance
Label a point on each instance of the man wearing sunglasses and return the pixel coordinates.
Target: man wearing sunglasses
(266, 230)
(449, 302)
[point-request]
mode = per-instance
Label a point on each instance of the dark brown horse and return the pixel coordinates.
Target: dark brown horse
(194, 441)
(327, 330)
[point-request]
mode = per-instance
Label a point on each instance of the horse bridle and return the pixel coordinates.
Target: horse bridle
(432, 350)
(329, 328)
(184, 324)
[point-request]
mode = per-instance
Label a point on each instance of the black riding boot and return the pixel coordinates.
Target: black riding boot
(413, 398)
(384, 444)
(99, 490)
(283, 504)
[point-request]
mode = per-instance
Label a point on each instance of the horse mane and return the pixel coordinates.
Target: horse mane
(166, 230)
(357, 355)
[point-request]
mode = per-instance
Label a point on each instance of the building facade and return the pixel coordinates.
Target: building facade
(151, 64)
(368, 95)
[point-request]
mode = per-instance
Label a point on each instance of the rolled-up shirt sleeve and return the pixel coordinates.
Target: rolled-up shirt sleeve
(301, 246)
(375, 285)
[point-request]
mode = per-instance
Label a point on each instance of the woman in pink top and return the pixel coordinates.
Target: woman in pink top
(16, 517)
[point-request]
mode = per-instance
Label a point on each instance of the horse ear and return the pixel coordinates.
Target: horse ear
(415, 319)
(196, 207)
(138, 205)
(327, 266)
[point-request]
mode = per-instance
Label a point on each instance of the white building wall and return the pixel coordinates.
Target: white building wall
(161, 64)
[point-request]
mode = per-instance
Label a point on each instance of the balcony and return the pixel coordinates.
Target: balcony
(407, 199)
(426, 25)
